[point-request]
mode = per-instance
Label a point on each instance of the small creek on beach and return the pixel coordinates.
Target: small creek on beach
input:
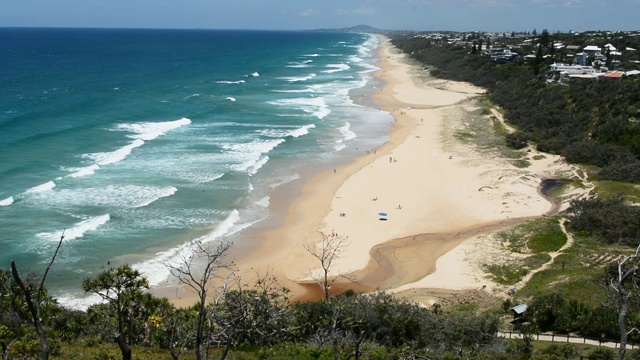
(548, 184)
(405, 260)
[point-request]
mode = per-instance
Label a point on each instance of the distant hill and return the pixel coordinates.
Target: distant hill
(357, 28)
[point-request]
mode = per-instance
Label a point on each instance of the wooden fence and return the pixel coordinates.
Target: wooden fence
(567, 339)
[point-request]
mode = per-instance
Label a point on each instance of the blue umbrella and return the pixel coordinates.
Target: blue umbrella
(382, 213)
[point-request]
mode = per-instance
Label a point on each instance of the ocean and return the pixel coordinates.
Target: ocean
(135, 142)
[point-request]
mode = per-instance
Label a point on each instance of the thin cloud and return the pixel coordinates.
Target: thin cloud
(464, 3)
(362, 10)
(309, 12)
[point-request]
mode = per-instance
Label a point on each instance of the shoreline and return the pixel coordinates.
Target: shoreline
(437, 193)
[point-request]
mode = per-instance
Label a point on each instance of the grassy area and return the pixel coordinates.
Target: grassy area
(536, 261)
(535, 236)
(505, 274)
(546, 236)
(498, 127)
(579, 350)
(520, 163)
(78, 351)
(577, 273)
(607, 189)
(463, 136)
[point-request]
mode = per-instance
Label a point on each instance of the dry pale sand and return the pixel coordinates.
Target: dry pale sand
(439, 196)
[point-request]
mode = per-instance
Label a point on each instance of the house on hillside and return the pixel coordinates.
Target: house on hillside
(518, 310)
(530, 59)
(565, 71)
(592, 49)
(612, 75)
(581, 59)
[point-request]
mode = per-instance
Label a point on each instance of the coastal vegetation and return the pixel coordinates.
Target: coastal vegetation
(574, 291)
(588, 122)
(593, 123)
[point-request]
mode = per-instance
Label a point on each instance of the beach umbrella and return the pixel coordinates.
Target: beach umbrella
(382, 213)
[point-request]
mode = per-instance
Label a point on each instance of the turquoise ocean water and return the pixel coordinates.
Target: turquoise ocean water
(135, 142)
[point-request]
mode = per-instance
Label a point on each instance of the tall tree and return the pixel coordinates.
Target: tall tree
(545, 39)
(196, 269)
(326, 252)
(34, 301)
(121, 288)
(538, 61)
(623, 283)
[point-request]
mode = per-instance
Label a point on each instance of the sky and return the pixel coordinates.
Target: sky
(421, 15)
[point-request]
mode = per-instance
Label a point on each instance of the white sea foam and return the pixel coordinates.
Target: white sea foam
(252, 164)
(301, 131)
(191, 96)
(78, 230)
(255, 74)
(156, 271)
(76, 302)
(299, 78)
(112, 157)
(142, 132)
(264, 202)
(251, 155)
(230, 82)
(255, 147)
(369, 68)
(355, 59)
(253, 168)
(306, 90)
(121, 196)
(42, 187)
(194, 176)
(312, 55)
(85, 171)
(284, 132)
(151, 130)
(336, 68)
(285, 180)
(158, 194)
(300, 64)
(231, 98)
(315, 105)
(6, 202)
(346, 132)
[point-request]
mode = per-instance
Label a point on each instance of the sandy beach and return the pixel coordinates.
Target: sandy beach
(412, 211)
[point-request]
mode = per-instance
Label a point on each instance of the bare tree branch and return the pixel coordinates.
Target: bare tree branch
(326, 252)
(625, 286)
(35, 308)
(195, 270)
